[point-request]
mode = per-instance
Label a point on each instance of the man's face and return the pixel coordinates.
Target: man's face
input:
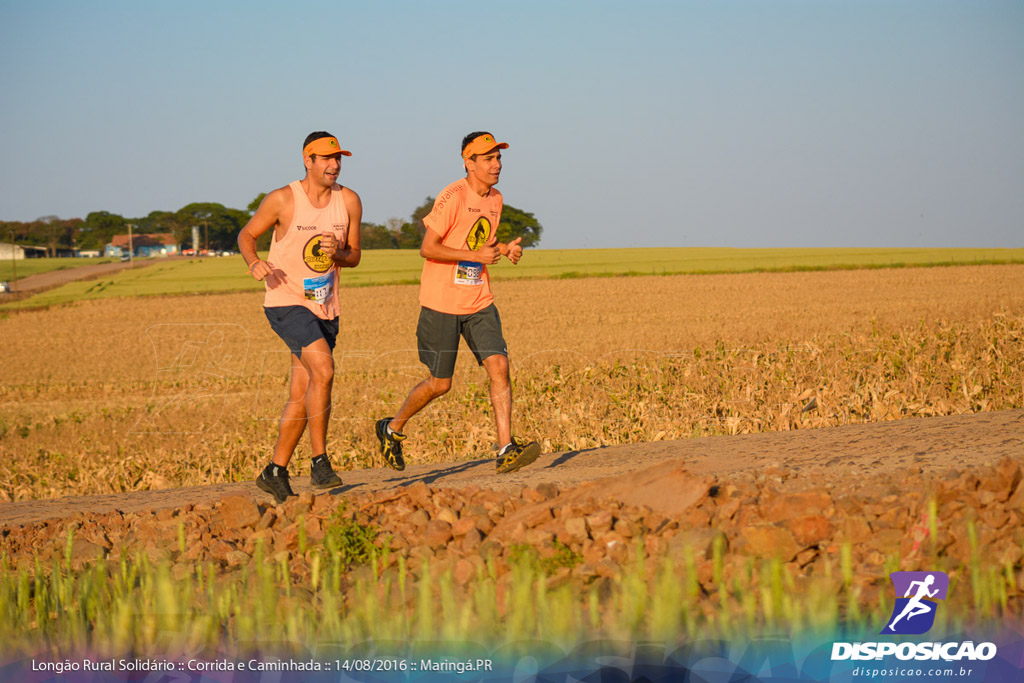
(486, 167)
(324, 168)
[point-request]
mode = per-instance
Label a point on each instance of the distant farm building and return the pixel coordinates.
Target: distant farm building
(18, 252)
(157, 244)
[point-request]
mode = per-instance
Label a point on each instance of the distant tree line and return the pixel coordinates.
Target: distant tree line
(399, 234)
(218, 228)
(50, 232)
(219, 225)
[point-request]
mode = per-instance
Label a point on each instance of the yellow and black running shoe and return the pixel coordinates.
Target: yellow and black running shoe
(516, 455)
(390, 445)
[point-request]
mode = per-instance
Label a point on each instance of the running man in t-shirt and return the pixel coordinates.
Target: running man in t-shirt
(455, 299)
(316, 232)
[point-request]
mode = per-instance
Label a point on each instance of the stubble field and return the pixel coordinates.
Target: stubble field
(133, 394)
(136, 394)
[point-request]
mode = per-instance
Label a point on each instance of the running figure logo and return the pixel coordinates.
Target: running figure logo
(917, 594)
(479, 234)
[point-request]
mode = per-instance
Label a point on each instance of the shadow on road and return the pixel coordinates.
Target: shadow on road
(338, 491)
(431, 477)
(569, 455)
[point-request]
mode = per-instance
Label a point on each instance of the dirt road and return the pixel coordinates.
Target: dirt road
(847, 458)
(33, 284)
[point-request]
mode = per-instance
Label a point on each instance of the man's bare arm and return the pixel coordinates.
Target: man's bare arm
(350, 255)
(432, 248)
(266, 217)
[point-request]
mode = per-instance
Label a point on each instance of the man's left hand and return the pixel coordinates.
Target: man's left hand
(515, 250)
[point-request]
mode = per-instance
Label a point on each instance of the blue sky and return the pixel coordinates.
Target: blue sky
(742, 124)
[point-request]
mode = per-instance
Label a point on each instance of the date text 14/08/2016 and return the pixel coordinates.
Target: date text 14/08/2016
(444, 665)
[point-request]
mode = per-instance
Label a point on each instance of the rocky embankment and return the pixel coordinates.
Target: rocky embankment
(589, 533)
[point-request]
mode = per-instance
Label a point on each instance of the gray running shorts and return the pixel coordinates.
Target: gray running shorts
(438, 337)
(298, 327)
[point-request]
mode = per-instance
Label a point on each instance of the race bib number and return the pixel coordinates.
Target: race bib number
(318, 288)
(469, 273)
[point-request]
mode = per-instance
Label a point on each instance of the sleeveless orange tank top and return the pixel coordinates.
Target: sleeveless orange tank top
(302, 275)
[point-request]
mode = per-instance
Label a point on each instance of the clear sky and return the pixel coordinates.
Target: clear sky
(743, 124)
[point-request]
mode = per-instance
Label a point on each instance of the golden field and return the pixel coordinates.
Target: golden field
(131, 394)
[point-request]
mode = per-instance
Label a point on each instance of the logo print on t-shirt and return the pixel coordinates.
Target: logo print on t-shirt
(315, 259)
(479, 234)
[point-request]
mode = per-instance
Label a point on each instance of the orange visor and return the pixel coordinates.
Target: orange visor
(482, 145)
(324, 147)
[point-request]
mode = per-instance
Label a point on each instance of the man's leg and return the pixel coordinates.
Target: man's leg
(421, 395)
(388, 429)
(501, 395)
(318, 363)
(513, 453)
(483, 334)
(309, 398)
(293, 418)
(437, 335)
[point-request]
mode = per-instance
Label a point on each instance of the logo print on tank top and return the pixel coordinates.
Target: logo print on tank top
(315, 260)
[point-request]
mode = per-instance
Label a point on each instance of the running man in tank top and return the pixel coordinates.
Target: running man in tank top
(316, 232)
(456, 301)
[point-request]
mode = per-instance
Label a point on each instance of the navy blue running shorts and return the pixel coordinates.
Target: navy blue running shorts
(299, 328)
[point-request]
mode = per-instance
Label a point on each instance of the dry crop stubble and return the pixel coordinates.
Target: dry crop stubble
(108, 396)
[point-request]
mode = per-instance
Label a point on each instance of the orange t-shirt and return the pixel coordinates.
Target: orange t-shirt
(302, 275)
(464, 220)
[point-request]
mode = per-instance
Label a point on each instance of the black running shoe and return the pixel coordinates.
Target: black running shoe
(390, 445)
(516, 455)
(275, 484)
(323, 475)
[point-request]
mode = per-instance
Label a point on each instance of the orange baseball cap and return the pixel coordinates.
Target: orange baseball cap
(481, 145)
(325, 147)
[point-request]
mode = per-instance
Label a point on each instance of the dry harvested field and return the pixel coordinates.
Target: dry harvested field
(128, 395)
(815, 432)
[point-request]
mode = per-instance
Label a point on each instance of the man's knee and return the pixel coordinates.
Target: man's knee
(297, 392)
(497, 366)
(320, 368)
(439, 386)
(324, 374)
